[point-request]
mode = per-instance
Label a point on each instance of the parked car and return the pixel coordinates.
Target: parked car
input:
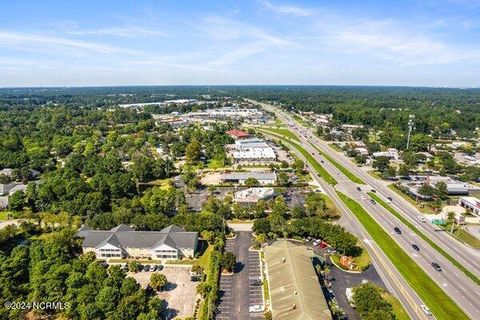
(125, 267)
(159, 267)
(317, 242)
(257, 308)
(397, 230)
(154, 267)
(422, 218)
(426, 310)
(146, 268)
(436, 266)
(415, 247)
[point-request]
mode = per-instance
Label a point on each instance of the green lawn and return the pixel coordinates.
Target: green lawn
(3, 215)
(344, 170)
(463, 236)
(283, 132)
(424, 237)
(335, 147)
(205, 257)
(301, 121)
(432, 295)
(398, 309)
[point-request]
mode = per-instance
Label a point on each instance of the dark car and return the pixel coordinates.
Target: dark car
(146, 268)
(372, 201)
(322, 161)
(389, 198)
(374, 191)
(154, 267)
(125, 267)
(159, 267)
(358, 189)
(436, 266)
(415, 247)
(397, 230)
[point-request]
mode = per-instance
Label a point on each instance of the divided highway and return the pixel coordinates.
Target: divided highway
(454, 282)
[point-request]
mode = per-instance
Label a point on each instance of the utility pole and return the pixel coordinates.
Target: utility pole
(410, 127)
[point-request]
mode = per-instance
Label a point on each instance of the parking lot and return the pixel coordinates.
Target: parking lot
(235, 301)
(180, 292)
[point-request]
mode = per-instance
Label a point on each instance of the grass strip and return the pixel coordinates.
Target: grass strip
(441, 305)
(424, 237)
(320, 170)
(344, 170)
(284, 132)
(398, 309)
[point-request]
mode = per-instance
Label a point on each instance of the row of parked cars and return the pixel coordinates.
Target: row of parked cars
(145, 268)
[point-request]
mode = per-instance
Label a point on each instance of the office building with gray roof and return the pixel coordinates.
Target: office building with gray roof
(123, 241)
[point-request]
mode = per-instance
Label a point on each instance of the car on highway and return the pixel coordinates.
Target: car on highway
(389, 199)
(426, 310)
(422, 218)
(373, 190)
(397, 230)
(436, 266)
(372, 201)
(358, 189)
(415, 247)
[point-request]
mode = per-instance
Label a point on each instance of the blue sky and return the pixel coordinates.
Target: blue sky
(153, 42)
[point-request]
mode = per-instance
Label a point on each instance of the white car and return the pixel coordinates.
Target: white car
(422, 218)
(258, 308)
(426, 310)
(317, 242)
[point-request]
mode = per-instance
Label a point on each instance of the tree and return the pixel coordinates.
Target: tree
(389, 173)
(16, 201)
(283, 179)
(193, 151)
(134, 266)
(404, 170)
(441, 190)
(251, 182)
(158, 281)
(228, 261)
(381, 163)
(426, 190)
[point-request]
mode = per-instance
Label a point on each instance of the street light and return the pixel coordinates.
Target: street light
(410, 127)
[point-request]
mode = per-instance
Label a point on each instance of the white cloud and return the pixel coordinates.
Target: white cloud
(126, 31)
(31, 42)
(286, 9)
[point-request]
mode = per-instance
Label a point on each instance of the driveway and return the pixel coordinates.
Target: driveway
(237, 294)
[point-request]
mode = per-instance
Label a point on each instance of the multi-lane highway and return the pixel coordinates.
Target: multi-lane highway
(454, 282)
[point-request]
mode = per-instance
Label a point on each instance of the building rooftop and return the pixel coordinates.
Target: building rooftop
(238, 134)
(294, 286)
(246, 175)
(125, 236)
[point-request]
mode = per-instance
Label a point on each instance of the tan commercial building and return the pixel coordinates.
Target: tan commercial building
(295, 290)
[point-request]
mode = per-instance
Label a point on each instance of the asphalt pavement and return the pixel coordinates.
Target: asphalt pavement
(461, 288)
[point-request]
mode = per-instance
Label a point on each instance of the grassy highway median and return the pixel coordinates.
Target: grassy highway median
(424, 237)
(441, 305)
(344, 170)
